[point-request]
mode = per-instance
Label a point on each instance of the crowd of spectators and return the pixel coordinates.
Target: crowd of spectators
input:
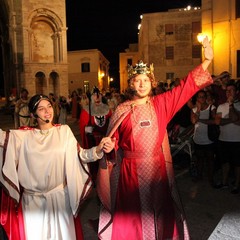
(222, 168)
(217, 160)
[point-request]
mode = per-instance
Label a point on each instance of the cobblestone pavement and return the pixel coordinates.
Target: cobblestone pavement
(204, 206)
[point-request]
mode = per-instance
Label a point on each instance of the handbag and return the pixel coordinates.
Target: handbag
(213, 129)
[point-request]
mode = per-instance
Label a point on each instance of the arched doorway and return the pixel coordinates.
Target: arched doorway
(54, 83)
(41, 83)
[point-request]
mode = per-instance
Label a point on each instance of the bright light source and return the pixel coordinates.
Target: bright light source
(200, 37)
(187, 8)
(139, 26)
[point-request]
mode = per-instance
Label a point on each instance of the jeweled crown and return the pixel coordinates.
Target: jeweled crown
(140, 68)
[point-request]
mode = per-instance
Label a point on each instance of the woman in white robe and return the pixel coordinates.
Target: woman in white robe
(46, 170)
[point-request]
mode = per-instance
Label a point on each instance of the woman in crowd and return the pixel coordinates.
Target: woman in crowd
(204, 147)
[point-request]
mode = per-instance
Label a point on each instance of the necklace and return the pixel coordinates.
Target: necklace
(143, 123)
(44, 132)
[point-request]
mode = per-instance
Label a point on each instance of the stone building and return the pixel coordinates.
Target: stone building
(130, 56)
(169, 40)
(221, 21)
(87, 68)
(33, 46)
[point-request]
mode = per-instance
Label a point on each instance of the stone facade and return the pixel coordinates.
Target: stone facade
(96, 72)
(221, 21)
(34, 43)
(167, 39)
(177, 28)
(130, 56)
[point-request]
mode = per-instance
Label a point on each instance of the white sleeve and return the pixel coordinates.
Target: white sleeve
(9, 162)
(89, 155)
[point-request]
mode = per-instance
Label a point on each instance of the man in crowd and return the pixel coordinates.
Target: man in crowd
(229, 140)
(22, 115)
(93, 124)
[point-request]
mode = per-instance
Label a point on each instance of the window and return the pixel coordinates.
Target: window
(170, 75)
(238, 63)
(196, 27)
(237, 8)
(196, 51)
(169, 52)
(86, 67)
(168, 29)
(129, 61)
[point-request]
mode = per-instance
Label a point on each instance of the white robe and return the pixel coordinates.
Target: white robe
(53, 179)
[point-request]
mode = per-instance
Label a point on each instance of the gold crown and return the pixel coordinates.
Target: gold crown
(140, 68)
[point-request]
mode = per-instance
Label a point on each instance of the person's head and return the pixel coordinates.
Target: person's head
(172, 85)
(40, 107)
(201, 97)
(24, 93)
(225, 77)
(74, 94)
(159, 89)
(51, 97)
(231, 91)
(96, 97)
(210, 97)
(141, 80)
(63, 99)
(177, 81)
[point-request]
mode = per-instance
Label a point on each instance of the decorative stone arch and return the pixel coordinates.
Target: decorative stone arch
(54, 83)
(40, 82)
(45, 36)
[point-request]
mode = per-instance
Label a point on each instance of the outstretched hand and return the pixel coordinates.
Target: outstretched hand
(208, 51)
(107, 144)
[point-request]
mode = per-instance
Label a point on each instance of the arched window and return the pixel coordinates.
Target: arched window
(42, 42)
(53, 82)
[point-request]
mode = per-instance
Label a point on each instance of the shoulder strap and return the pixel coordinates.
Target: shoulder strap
(210, 109)
(89, 108)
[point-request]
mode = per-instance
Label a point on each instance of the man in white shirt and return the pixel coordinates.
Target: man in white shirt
(228, 117)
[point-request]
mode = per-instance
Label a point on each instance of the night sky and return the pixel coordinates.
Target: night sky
(110, 26)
